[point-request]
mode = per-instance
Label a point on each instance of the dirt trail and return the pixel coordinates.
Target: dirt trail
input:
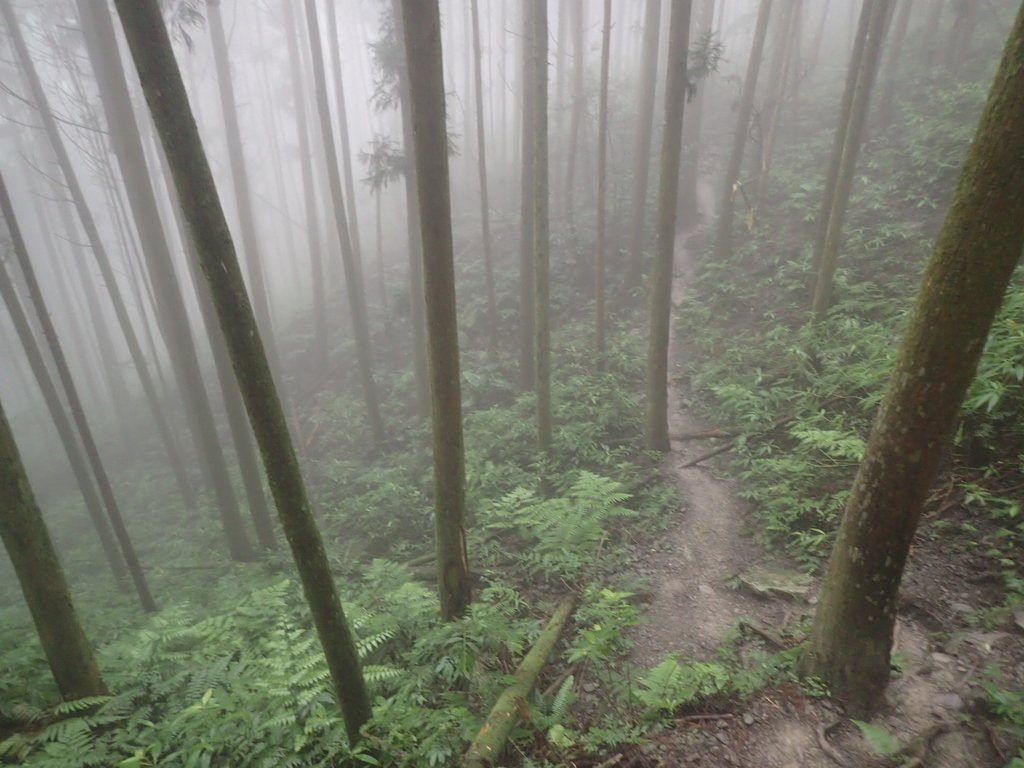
(694, 602)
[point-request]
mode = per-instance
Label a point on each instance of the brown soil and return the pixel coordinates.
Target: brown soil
(935, 707)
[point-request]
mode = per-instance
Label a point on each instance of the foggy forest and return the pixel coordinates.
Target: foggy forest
(587, 383)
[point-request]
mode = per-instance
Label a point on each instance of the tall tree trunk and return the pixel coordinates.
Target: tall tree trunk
(74, 402)
(79, 465)
(422, 25)
(541, 224)
(240, 180)
(893, 61)
(727, 206)
(353, 282)
(839, 140)
(859, 105)
(38, 568)
(577, 16)
(689, 175)
(787, 37)
(964, 283)
(485, 212)
(656, 435)
(417, 311)
(642, 145)
(151, 49)
(602, 186)
(346, 147)
(302, 128)
(527, 285)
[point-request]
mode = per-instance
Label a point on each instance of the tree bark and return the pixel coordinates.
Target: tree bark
(165, 93)
(975, 254)
(35, 561)
(422, 26)
(577, 16)
(642, 145)
(859, 107)
(656, 434)
(353, 275)
(527, 284)
(727, 207)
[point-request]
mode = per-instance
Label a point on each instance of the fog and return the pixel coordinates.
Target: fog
(311, 148)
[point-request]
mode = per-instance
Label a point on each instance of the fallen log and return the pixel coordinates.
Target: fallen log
(487, 745)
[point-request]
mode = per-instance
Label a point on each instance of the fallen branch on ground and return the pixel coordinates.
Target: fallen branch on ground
(496, 729)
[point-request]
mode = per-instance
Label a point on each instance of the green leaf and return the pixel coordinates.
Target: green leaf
(879, 739)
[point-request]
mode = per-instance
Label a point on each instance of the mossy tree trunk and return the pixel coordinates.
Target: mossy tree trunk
(656, 434)
(963, 285)
(38, 568)
(165, 93)
(867, 69)
(643, 138)
(727, 206)
(422, 25)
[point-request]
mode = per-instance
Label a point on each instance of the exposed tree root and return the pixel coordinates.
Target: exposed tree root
(823, 731)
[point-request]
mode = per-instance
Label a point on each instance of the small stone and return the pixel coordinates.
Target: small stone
(1018, 617)
(748, 719)
(961, 607)
(950, 701)
(704, 589)
(941, 658)
(693, 759)
(723, 724)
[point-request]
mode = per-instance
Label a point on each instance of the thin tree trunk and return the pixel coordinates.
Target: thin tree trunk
(541, 224)
(346, 148)
(71, 394)
(602, 186)
(656, 435)
(642, 146)
(353, 282)
(165, 92)
(963, 286)
(859, 106)
(42, 579)
(240, 180)
(422, 25)
(689, 206)
(727, 206)
(79, 465)
(302, 127)
(786, 40)
(577, 15)
(527, 284)
(485, 212)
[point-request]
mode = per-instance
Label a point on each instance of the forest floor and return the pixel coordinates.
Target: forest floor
(709, 576)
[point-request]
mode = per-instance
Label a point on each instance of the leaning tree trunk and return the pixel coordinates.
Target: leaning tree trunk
(541, 223)
(485, 213)
(422, 25)
(656, 435)
(151, 49)
(727, 206)
(602, 186)
(60, 363)
(353, 274)
(78, 462)
(866, 72)
(963, 285)
(642, 145)
(38, 568)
